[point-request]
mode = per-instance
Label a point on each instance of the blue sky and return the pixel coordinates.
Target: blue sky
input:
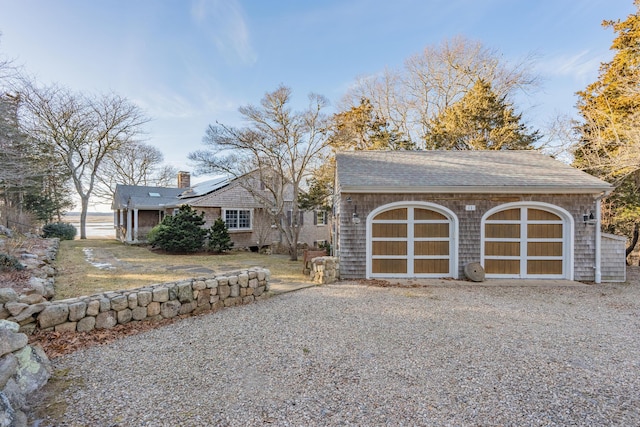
(188, 63)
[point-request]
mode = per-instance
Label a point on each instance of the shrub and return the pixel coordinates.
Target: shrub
(10, 263)
(181, 232)
(62, 230)
(218, 237)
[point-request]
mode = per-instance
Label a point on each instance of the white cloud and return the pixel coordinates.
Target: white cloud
(223, 22)
(582, 66)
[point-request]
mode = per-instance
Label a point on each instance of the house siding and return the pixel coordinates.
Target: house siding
(352, 237)
(614, 266)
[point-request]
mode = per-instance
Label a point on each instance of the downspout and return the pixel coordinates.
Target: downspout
(598, 237)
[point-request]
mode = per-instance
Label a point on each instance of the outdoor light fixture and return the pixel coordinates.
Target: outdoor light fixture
(589, 218)
(355, 218)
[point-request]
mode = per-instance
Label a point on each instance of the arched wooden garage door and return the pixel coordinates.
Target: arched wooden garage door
(526, 242)
(411, 241)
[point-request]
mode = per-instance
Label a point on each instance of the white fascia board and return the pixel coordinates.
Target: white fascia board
(477, 190)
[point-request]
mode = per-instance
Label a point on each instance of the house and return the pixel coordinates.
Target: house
(137, 209)
(520, 214)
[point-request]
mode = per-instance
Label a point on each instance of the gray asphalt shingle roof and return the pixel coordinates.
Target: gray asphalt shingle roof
(140, 197)
(460, 171)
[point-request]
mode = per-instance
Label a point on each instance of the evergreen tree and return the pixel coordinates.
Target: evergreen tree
(481, 120)
(609, 130)
(181, 232)
(218, 237)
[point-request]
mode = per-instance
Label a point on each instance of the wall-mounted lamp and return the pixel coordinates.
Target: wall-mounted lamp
(349, 199)
(355, 218)
(589, 218)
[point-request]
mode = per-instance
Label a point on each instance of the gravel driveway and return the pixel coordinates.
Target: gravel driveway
(349, 354)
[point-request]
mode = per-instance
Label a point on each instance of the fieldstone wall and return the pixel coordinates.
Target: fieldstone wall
(164, 300)
(325, 270)
(23, 370)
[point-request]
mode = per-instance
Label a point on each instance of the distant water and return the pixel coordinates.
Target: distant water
(98, 226)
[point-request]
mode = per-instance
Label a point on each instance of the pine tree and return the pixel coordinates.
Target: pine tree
(609, 130)
(218, 237)
(481, 120)
(181, 232)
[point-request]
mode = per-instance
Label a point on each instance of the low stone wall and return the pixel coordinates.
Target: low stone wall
(164, 300)
(325, 269)
(23, 370)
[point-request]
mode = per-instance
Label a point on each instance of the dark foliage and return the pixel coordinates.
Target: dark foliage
(61, 230)
(218, 237)
(181, 232)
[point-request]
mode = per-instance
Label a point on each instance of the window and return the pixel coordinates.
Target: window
(321, 218)
(238, 219)
(154, 194)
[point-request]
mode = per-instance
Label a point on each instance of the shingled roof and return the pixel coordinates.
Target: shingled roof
(514, 171)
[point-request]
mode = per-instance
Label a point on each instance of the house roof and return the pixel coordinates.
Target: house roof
(144, 197)
(516, 171)
(205, 187)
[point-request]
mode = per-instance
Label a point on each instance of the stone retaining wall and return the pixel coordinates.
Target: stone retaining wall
(23, 370)
(165, 300)
(325, 270)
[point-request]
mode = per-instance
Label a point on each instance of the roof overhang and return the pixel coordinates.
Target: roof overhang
(479, 190)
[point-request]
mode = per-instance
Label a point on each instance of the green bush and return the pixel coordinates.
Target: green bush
(218, 237)
(181, 232)
(62, 230)
(10, 263)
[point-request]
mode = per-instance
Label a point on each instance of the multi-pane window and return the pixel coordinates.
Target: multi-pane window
(321, 218)
(238, 219)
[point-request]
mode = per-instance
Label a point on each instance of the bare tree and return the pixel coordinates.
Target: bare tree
(136, 163)
(278, 147)
(81, 131)
(433, 80)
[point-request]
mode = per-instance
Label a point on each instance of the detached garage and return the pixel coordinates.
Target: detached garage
(426, 214)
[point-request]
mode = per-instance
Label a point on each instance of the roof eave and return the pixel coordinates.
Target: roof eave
(479, 190)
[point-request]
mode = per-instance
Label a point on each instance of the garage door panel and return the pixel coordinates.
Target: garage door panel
(502, 266)
(389, 248)
(544, 267)
(431, 230)
(502, 231)
(394, 214)
(544, 231)
(502, 248)
(540, 215)
(425, 214)
(506, 215)
(544, 248)
(431, 248)
(431, 266)
(389, 230)
(389, 266)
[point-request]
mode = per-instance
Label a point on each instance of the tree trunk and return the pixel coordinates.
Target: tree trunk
(83, 217)
(634, 241)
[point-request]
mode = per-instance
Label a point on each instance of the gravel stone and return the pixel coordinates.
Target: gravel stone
(350, 354)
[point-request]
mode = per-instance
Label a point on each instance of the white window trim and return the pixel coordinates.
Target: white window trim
(251, 218)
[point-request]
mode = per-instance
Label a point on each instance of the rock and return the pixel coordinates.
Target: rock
(474, 272)
(53, 315)
(11, 341)
(199, 285)
(233, 280)
(11, 326)
(8, 368)
(253, 283)
(119, 303)
(34, 298)
(139, 313)
(161, 294)
(132, 299)
(243, 280)
(106, 320)
(153, 309)
(188, 307)
(235, 290)
(211, 283)
(34, 369)
(184, 292)
(170, 309)
(7, 232)
(144, 298)
(77, 311)
(30, 311)
(8, 295)
(224, 291)
(15, 307)
(93, 308)
(86, 324)
(4, 313)
(105, 304)
(124, 316)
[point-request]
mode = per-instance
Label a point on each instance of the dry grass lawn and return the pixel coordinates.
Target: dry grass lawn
(91, 266)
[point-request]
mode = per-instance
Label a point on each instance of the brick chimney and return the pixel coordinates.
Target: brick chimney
(184, 179)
